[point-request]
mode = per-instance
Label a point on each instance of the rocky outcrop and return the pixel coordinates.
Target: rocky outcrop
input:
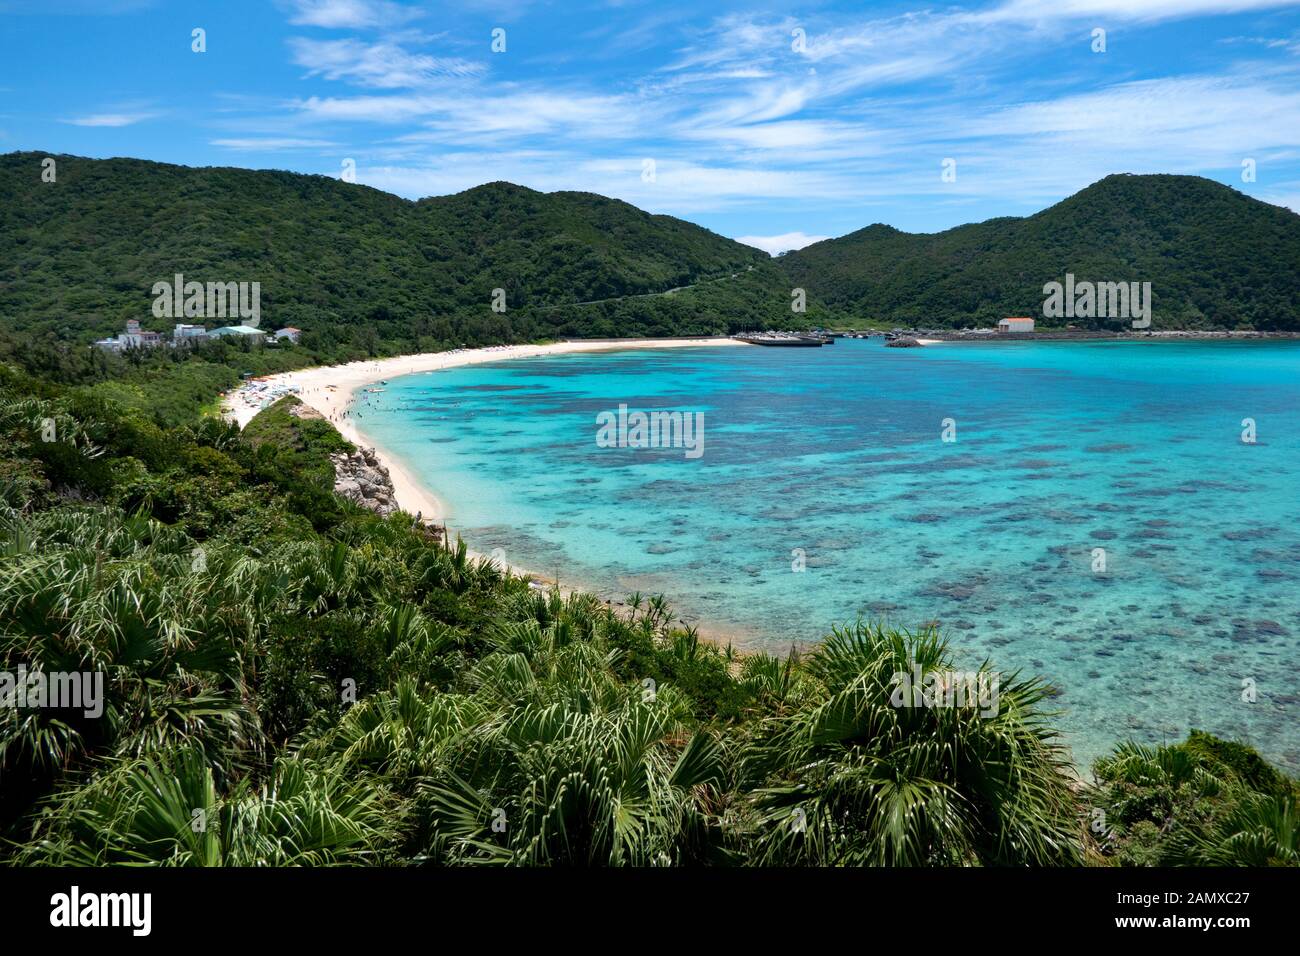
(306, 412)
(359, 476)
(903, 342)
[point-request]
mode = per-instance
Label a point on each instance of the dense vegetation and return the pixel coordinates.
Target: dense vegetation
(1204, 802)
(1215, 258)
(293, 680)
(359, 270)
(366, 273)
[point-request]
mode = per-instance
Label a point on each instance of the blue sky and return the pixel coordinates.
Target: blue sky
(755, 129)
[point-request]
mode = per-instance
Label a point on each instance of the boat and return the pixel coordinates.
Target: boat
(781, 340)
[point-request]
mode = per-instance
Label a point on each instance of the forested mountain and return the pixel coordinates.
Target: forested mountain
(351, 264)
(366, 272)
(1215, 258)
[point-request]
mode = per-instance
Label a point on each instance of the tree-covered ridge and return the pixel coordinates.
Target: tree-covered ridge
(291, 680)
(1215, 258)
(356, 267)
(363, 272)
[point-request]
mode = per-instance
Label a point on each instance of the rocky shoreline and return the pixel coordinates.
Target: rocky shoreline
(361, 477)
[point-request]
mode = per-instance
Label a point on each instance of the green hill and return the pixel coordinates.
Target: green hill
(1215, 259)
(366, 272)
(352, 264)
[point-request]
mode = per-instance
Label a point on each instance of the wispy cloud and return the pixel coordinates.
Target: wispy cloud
(754, 146)
(351, 14)
(384, 65)
(459, 115)
(1127, 10)
(679, 187)
(111, 119)
(822, 121)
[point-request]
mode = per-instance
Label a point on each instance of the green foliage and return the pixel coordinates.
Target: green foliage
(1203, 802)
(165, 809)
(169, 393)
(293, 444)
(399, 276)
(1216, 259)
(1239, 761)
(851, 778)
(291, 680)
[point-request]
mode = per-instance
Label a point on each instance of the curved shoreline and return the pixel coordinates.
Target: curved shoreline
(330, 390)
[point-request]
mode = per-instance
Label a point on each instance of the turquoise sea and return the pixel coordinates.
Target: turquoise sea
(837, 454)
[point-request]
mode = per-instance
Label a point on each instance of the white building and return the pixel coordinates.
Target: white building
(188, 334)
(1016, 325)
(239, 332)
(288, 332)
(133, 337)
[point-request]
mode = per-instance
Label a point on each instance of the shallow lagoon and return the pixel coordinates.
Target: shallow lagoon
(1061, 448)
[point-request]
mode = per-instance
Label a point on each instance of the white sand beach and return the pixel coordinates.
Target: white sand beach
(329, 390)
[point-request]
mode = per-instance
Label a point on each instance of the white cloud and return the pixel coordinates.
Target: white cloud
(350, 14)
(1193, 118)
(680, 188)
(794, 136)
(765, 101)
(377, 109)
(1287, 200)
(384, 65)
(456, 117)
(846, 56)
(862, 117)
(1127, 9)
(111, 119)
(785, 242)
